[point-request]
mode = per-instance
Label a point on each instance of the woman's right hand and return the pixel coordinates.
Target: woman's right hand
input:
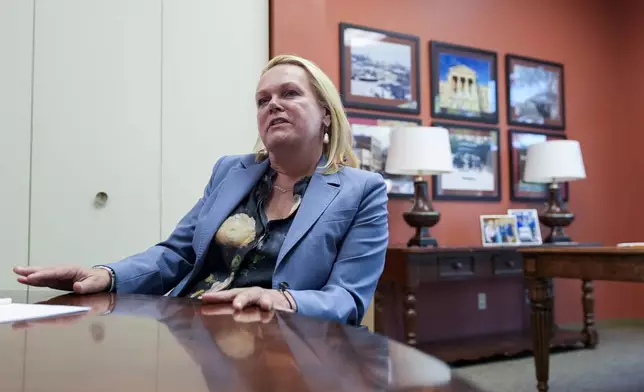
(70, 278)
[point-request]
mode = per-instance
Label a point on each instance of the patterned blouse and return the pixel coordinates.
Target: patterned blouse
(245, 248)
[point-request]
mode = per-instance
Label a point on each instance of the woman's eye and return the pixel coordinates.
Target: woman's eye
(260, 102)
(290, 93)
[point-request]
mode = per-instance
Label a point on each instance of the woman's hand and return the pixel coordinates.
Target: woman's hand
(69, 278)
(244, 297)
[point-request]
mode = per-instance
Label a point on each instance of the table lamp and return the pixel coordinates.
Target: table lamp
(553, 162)
(420, 151)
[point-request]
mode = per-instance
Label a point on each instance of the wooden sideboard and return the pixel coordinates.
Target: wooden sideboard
(458, 303)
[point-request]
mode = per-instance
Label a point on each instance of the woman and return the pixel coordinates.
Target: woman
(293, 227)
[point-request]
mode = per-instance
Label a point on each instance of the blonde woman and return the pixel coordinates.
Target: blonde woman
(295, 226)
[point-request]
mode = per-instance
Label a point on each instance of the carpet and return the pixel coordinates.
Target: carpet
(615, 365)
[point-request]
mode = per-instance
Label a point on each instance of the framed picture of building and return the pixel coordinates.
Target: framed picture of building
(370, 144)
(379, 69)
(518, 141)
(535, 91)
(463, 83)
(476, 160)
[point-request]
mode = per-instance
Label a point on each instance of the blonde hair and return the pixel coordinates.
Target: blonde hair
(339, 149)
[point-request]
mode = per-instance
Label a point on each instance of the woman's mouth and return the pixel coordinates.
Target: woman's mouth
(277, 122)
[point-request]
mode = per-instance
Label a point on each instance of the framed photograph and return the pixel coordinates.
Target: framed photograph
(520, 190)
(379, 69)
(477, 168)
(463, 83)
(370, 144)
(528, 228)
(499, 230)
(535, 93)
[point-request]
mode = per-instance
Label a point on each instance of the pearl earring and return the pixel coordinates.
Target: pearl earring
(326, 137)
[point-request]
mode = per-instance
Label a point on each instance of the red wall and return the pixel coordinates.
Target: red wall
(596, 41)
(629, 126)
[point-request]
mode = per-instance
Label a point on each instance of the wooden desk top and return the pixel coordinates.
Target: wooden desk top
(624, 264)
(151, 343)
(597, 250)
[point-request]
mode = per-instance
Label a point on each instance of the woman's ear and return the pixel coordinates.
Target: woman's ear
(326, 120)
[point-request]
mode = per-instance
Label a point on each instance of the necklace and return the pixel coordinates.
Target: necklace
(279, 188)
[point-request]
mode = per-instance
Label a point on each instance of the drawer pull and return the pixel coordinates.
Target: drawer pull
(510, 263)
(457, 265)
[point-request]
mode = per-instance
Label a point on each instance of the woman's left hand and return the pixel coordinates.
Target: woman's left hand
(244, 297)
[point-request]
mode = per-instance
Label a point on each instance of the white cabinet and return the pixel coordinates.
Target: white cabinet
(16, 37)
(132, 100)
(213, 53)
(96, 128)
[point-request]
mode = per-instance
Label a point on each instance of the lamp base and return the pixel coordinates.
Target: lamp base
(557, 236)
(422, 222)
(421, 216)
(556, 216)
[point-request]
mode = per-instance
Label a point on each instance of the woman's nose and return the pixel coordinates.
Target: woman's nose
(274, 105)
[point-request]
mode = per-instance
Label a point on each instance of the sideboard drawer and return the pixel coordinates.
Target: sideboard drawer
(507, 264)
(455, 266)
(421, 268)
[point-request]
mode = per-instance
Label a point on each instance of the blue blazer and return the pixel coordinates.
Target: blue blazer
(331, 258)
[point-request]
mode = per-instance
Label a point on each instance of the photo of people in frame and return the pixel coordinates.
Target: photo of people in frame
(499, 230)
(528, 228)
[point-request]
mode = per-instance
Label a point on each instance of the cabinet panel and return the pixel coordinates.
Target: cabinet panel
(96, 128)
(213, 53)
(16, 38)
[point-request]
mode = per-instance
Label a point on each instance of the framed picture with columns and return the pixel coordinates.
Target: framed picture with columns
(463, 83)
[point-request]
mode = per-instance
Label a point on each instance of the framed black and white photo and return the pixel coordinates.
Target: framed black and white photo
(379, 69)
(476, 161)
(535, 93)
(519, 141)
(370, 144)
(463, 83)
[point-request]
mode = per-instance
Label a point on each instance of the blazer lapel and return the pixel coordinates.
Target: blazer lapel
(319, 194)
(237, 184)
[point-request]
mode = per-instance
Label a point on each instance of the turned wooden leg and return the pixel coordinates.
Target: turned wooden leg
(588, 304)
(409, 316)
(551, 321)
(541, 301)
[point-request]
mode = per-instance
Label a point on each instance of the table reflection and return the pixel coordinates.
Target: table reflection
(136, 342)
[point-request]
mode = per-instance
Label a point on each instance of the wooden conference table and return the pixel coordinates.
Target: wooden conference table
(136, 343)
(586, 264)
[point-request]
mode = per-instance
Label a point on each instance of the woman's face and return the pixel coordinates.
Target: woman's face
(288, 113)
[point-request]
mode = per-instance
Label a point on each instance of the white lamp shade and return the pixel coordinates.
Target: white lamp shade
(419, 151)
(554, 160)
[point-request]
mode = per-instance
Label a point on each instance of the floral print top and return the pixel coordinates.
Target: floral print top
(245, 248)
